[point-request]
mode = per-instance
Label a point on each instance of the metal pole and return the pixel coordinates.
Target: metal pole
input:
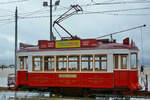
(51, 34)
(146, 87)
(16, 38)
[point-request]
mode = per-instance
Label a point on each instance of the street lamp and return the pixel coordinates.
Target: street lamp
(45, 4)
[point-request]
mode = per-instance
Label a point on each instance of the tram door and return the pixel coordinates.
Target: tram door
(120, 70)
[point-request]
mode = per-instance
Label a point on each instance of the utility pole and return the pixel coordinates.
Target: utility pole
(16, 38)
(51, 34)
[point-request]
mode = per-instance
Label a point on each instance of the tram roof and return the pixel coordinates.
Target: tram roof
(101, 45)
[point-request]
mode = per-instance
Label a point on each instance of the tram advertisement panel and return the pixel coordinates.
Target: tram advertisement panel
(68, 44)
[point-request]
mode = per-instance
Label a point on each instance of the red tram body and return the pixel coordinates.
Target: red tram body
(91, 63)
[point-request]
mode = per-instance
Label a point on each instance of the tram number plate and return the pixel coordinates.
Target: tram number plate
(67, 76)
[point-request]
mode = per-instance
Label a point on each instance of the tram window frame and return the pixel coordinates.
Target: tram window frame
(77, 61)
(100, 61)
(40, 63)
(48, 62)
(90, 66)
(116, 61)
(64, 67)
(24, 64)
(136, 59)
(126, 61)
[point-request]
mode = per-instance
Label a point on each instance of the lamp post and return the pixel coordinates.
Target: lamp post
(45, 4)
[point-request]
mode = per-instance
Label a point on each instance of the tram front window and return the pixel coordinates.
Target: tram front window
(73, 63)
(134, 60)
(61, 63)
(49, 63)
(37, 63)
(123, 61)
(87, 63)
(23, 64)
(100, 62)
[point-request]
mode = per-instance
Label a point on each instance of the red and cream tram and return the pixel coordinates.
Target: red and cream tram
(78, 64)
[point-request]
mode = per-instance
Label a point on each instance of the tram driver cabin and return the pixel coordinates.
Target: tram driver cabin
(87, 63)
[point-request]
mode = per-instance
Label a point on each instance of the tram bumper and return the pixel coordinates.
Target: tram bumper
(134, 86)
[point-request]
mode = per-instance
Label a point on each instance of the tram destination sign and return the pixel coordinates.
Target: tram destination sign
(44, 44)
(68, 44)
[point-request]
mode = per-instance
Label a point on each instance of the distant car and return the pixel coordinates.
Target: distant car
(11, 66)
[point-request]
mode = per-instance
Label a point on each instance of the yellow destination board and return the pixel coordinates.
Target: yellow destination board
(68, 44)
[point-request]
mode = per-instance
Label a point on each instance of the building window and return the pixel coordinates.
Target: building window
(134, 61)
(116, 61)
(73, 63)
(100, 62)
(23, 62)
(37, 63)
(123, 61)
(61, 63)
(87, 63)
(49, 63)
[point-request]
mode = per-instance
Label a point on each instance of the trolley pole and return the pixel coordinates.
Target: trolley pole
(16, 38)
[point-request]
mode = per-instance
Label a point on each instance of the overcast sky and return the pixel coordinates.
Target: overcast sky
(32, 29)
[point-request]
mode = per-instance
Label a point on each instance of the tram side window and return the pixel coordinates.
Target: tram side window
(123, 61)
(134, 60)
(61, 63)
(100, 62)
(49, 63)
(87, 62)
(37, 63)
(73, 63)
(23, 62)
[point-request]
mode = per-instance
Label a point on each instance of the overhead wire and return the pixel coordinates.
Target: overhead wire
(108, 1)
(6, 15)
(119, 10)
(40, 11)
(118, 14)
(126, 2)
(6, 23)
(32, 12)
(16, 1)
(2, 20)
(113, 3)
(97, 12)
(109, 12)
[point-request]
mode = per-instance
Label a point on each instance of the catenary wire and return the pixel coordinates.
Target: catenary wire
(10, 2)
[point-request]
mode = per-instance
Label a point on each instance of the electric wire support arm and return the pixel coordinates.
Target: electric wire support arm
(64, 16)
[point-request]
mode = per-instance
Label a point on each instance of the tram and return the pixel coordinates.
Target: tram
(86, 64)
(82, 65)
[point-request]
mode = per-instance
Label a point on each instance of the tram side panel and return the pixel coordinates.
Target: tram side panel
(42, 79)
(120, 79)
(89, 80)
(126, 79)
(97, 80)
(21, 78)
